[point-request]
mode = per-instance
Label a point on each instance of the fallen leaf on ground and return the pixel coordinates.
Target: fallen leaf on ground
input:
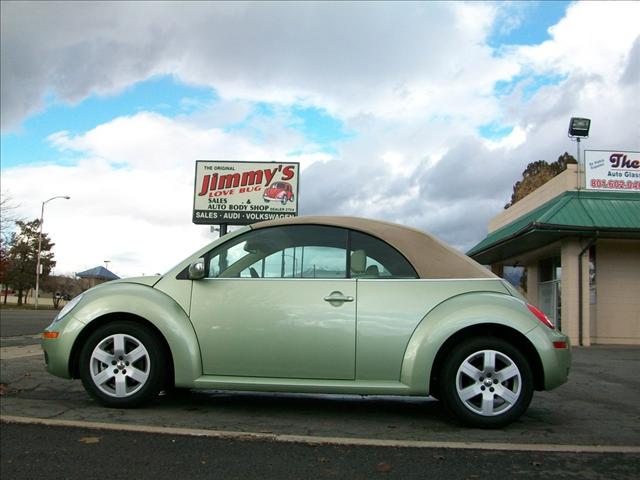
(89, 440)
(383, 467)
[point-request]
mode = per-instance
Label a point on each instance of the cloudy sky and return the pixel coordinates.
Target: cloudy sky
(419, 113)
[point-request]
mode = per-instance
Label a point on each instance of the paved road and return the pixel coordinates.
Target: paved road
(24, 322)
(597, 407)
(30, 451)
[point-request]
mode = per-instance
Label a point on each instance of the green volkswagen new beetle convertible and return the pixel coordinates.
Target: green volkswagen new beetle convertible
(337, 305)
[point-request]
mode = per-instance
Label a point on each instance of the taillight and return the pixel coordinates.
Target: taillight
(540, 316)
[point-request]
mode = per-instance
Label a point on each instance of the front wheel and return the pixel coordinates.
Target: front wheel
(486, 382)
(122, 364)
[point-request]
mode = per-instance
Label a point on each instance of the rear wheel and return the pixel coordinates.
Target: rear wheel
(486, 382)
(123, 364)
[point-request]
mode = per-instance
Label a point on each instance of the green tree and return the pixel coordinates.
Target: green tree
(21, 256)
(537, 174)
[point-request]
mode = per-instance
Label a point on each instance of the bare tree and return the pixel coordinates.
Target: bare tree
(8, 219)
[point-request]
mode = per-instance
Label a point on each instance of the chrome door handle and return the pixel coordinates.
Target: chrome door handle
(338, 297)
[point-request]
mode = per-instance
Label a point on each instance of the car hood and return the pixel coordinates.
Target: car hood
(149, 280)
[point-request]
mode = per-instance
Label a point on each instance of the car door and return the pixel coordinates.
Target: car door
(391, 303)
(276, 302)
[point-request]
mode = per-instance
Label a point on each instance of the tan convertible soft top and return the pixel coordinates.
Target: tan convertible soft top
(429, 256)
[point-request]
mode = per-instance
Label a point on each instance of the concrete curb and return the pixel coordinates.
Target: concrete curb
(311, 440)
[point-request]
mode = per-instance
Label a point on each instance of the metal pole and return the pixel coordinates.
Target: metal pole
(38, 257)
(40, 247)
(580, 169)
(223, 229)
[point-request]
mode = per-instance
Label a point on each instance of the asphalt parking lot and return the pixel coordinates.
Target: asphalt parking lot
(597, 407)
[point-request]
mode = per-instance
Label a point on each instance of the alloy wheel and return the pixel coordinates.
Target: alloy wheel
(488, 383)
(119, 365)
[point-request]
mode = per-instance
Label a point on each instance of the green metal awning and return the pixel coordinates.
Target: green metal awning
(573, 213)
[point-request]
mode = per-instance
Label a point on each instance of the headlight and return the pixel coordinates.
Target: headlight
(67, 308)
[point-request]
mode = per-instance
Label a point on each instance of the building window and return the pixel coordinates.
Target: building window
(593, 299)
(516, 276)
(550, 289)
(550, 269)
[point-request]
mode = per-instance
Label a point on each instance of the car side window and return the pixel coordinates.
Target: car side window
(294, 251)
(373, 258)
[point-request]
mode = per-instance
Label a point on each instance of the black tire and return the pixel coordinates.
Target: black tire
(486, 397)
(123, 388)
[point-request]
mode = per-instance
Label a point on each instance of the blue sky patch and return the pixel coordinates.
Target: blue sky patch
(316, 125)
(529, 84)
(494, 131)
(526, 23)
(164, 95)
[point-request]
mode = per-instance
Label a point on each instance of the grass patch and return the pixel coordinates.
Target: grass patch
(13, 306)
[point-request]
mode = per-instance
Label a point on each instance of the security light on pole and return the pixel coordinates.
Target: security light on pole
(579, 128)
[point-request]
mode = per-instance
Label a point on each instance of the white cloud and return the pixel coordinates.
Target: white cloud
(515, 138)
(593, 38)
(389, 59)
(132, 192)
(133, 217)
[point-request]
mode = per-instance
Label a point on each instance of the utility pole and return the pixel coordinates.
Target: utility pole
(38, 266)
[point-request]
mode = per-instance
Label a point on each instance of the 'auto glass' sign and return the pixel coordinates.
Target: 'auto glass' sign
(238, 193)
(612, 170)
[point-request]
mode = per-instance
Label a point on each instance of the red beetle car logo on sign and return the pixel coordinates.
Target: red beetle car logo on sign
(282, 191)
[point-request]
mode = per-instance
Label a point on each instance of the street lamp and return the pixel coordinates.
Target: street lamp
(579, 128)
(40, 246)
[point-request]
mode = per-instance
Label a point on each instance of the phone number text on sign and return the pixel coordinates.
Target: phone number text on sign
(615, 184)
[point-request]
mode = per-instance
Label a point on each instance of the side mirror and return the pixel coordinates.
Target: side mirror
(196, 270)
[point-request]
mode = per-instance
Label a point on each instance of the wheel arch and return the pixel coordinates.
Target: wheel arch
(461, 317)
(146, 306)
(495, 330)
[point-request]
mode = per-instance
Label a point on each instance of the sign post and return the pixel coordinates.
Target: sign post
(241, 193)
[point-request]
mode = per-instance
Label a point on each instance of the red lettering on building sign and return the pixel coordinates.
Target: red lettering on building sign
(620, 160)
